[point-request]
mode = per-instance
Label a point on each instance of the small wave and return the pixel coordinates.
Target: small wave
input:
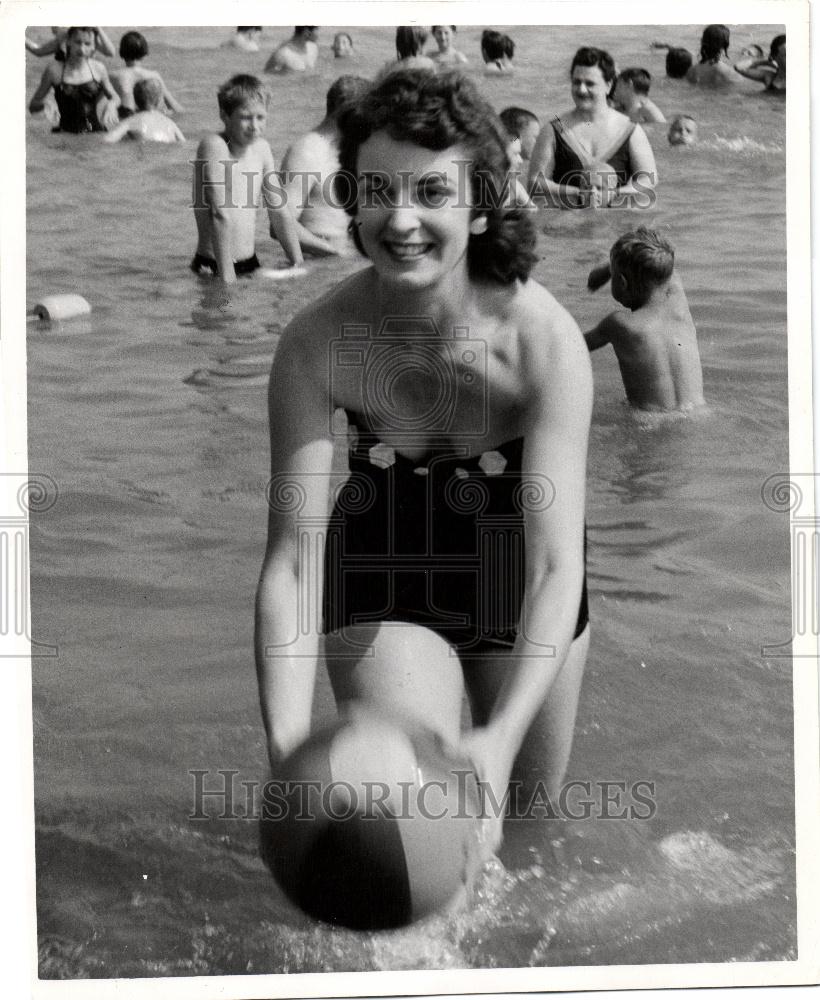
(742, 144)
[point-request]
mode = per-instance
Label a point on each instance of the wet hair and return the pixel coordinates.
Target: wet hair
(249, 29)
(239, 90)
(777, 41)
(133, 46)
(638, 77)
(494, 46)
(410, 41)
(77, 31)
(678, 63)
(589, 56)
(343, 34)
(148, 94)
(302, 29)
(645, 258)
(515, 120)
(713, 42)
(344, 91)
(436, 112)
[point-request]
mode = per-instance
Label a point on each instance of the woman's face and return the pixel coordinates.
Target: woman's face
(589, 88)
(342, 46)
(81, 45)
(414, 210)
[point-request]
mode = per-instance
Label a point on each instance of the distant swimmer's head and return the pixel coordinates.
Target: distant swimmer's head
(496, 46)
(243, 107)
(309, 34)
(777, 51)
(593, 76)
(444, 34)
(344, 92)
(683, 131)
(640, 261)
(81, 42)
(425, 159)
(714, 42)
(410, 41)
(634, 81)
(678, 63)
(133, 46)
(342, 45)
(523, 125)
(148, 94)
(752, 51)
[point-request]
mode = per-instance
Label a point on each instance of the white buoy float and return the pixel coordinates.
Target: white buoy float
(57, 307)
(282, 273)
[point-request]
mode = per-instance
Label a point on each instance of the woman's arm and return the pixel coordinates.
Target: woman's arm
(103, 43)
(46, 48)
(639, 189)
(761, 70)
(169, 99)
(554, 465)
(37, 102)
(289, 596)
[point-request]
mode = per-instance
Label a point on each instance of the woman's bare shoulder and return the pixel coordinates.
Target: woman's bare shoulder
(325, 319)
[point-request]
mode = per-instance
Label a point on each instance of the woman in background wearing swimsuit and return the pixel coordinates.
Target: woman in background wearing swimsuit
(85, 98)
(592, 156)
(467, 392)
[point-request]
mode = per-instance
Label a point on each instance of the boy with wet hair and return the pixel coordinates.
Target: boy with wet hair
(133, 49)
(631, 96)
(683, 131)
(654, 337)
(522, 125)
(233, 172)
(298, 54)
(149, 123)
(678, 63)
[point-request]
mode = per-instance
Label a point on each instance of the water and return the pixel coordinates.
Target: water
(150, 417)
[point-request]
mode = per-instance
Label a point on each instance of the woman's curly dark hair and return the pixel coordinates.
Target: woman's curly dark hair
(438, 111)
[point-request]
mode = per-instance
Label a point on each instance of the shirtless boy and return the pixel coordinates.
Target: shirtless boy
(233, 172)
(653, 336)
(631, 96)
(133, 49)
(149, 123)
(308, 169)
(297, 55)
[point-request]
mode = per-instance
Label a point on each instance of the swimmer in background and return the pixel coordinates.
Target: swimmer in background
(683, 131)
(246, 39)
(446, 54)
(771, 71)
(654, 337)
(678, 63)
(342, 45)
(307, 172)
(58, 44)
(233, 172)
(148, 123)
(133, 49)
(714, 69)
(85, 98)
(298, 54)
(523, 125)
(631, 96)
(409, 51)
(497, 51)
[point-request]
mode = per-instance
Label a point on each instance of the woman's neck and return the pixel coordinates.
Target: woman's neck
(443, 302)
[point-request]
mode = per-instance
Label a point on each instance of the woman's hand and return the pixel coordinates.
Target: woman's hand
(492, 758)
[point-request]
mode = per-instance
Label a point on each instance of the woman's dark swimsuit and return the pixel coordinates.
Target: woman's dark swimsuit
(570, 169)
(201, 263)
(436, 541)
(77, 103)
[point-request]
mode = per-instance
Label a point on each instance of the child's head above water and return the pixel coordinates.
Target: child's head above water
(148, 94)
(634, 78)
(683, 131)
(640, 261)
(437, 112)
(410, 41)
(714, 42)
(523, 125)
(495, 46)
(133, 46)
(342, 45)
(678, 63)
(240, 90)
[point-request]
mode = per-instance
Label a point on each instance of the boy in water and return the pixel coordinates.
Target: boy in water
(446, 54)
(683, 131)
(654, 337)
(523, 125)
(298, 54)
(149, 122)
(233, 171)
(631, 96)
(133, 49)
(246, 39)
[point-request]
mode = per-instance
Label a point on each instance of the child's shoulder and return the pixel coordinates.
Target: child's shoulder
(212, 146)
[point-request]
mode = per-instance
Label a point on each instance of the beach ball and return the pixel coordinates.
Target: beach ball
(370, 824)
